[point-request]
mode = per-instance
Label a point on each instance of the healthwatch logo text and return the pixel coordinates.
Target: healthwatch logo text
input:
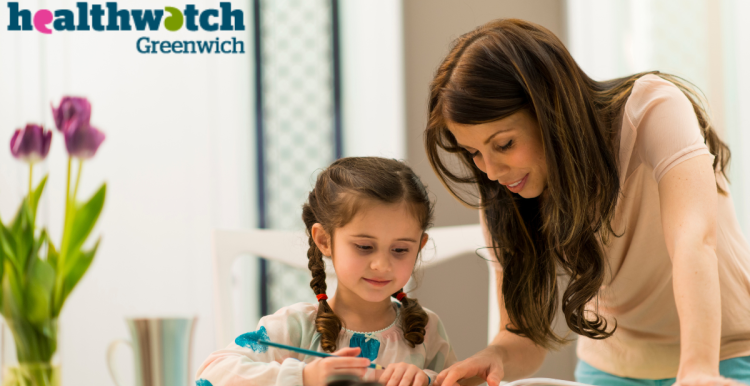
(111, 18)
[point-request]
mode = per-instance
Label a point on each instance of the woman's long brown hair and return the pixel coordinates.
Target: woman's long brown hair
(340, 191)
(510, 65)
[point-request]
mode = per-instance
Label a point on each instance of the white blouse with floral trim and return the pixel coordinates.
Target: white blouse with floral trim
(246, 363)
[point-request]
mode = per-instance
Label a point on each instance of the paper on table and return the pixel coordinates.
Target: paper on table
(543, 382)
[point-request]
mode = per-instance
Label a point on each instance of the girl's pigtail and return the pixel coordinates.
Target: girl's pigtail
(326, 322)
(413, 318)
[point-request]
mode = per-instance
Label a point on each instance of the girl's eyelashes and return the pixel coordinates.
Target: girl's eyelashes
(369, 248)
(363, 247)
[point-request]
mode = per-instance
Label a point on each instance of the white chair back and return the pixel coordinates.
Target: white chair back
(290, 247)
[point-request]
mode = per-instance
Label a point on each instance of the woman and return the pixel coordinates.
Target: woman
(620, 186)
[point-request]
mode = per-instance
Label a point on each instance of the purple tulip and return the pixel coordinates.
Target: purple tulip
(82, 141)
(72, 113)
(31, 144)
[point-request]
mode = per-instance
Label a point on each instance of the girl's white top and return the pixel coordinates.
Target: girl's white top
(248, 364)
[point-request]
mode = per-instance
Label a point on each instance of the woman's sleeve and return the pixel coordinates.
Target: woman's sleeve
(439, 353)
(667, 128)
(246, 363)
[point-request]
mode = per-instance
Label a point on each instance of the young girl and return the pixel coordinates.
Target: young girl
(369, 215)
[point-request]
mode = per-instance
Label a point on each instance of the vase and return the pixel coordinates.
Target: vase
(29, 354)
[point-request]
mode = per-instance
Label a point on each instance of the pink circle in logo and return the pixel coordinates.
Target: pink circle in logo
(43, 17)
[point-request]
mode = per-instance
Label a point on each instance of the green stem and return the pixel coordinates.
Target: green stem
(57, 294)
(78, 179)
(67, 190)
(31, 178)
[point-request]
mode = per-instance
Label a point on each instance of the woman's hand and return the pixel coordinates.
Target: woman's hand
(316, 372)
(486, 364)
(403, 374)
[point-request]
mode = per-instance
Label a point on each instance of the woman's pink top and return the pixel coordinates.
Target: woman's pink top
(659, 131)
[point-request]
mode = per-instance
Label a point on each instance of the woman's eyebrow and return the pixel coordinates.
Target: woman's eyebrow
(486, 141)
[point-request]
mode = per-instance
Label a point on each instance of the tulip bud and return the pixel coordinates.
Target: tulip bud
(83, 141)
(72, 113)
(31, 144)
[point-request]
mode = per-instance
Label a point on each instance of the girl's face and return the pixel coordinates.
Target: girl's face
(508, 150)
(374, 254)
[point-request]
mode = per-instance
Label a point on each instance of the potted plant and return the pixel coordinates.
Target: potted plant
(36, 274)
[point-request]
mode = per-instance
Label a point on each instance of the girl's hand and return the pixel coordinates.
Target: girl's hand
(403, 374)
(316, 372)
(486, 364)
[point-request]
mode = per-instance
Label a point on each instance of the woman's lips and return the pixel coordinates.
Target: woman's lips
(519, 185)
(377, 283)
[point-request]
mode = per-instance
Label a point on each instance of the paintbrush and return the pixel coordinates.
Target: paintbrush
(304, 351)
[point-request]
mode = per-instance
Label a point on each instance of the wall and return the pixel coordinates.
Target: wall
(372, 78)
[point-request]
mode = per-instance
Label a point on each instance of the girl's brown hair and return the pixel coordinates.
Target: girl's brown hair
(340, 191)
(510, 65)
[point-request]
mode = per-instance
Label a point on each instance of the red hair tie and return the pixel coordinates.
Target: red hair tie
(322, 297)
(400, 295)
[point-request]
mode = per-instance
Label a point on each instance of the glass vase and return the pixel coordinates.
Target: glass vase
(33, 362)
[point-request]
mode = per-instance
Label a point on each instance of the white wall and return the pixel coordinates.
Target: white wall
(704, 41)
(178, 161)
(372, 62)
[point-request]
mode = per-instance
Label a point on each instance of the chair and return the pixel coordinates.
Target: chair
(290, 247)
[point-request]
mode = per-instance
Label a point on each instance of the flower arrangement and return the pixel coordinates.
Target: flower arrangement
(37, 276)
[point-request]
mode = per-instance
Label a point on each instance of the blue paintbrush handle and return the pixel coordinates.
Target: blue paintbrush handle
(310, 352)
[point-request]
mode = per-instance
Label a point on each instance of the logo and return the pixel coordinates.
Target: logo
(116, 19)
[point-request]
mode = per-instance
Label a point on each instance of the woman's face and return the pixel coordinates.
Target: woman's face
(508, 150)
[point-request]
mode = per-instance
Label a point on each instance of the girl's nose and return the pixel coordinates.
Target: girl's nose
(381, 262)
